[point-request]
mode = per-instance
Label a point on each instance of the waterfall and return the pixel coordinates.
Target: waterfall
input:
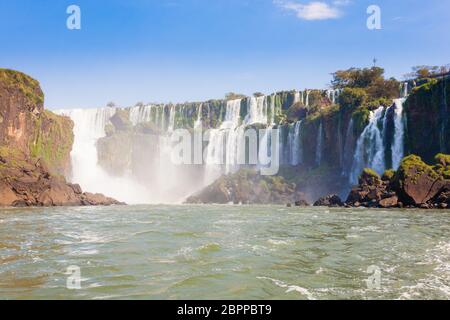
(296, 97)
(319, 145)
(369, 151)
(404, 90)
(256, 110)
(307, 98)
(294, 144)
(398, 143)
(223, 143)
(198, 122)
(272, 111)
(89, 126)
(140, 114)
(332, 95)
(172, 114)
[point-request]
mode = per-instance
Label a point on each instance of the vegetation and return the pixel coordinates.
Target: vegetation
(423, 72)
(234, 96)
(52, 140)
(388, 175)
(27, 85)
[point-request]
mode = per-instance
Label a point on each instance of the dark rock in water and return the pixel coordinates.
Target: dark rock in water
(24, 184)
(248, 186)
(35, 147)
(302, 203)
(416, 183)
(391, 202)
(329, 201)
(289, 205)
(370, 191)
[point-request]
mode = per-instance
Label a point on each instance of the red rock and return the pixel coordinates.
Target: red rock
(389, 202)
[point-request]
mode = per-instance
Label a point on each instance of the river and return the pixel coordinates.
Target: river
(224, 252)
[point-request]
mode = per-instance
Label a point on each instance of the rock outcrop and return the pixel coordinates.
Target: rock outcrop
(35, 147)
(27, 182)
(415, 184)
(329, 201)
(247, 186)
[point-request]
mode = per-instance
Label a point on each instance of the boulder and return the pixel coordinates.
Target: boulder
(389, 202)
(329, 201)
(301, 203)
(416, 183)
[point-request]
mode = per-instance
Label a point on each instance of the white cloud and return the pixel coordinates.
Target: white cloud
(315, 10)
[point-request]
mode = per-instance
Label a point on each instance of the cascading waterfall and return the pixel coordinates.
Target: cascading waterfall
(369, 151)
(198, 122)
(405, 88)
(223, 143)
(297, 97)
(296, 152)
(226, 144)
(256, 110)
(172, 114)
(141, 114)
(332, 95)
(89, 126)
(398, 143)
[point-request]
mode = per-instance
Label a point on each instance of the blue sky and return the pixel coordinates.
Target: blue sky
(189, 50)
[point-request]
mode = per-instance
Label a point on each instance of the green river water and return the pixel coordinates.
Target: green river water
(224, 252)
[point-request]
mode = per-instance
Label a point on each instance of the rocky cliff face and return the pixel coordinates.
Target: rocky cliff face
(35, 147)
(428, 119)
(415, 184)
(249, 187)
(26, 126)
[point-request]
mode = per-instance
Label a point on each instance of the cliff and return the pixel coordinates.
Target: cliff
(26, 126)
(35, 147)
(428, 116)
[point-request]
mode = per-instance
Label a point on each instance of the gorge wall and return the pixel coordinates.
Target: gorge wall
(327, 138)
(35, 147)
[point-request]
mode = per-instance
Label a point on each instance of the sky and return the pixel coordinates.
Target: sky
(130, 51)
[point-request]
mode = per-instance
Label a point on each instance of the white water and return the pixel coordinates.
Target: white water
(399, 137)
(294, 144)
(140, 114)
(256, 110)
(198, 122)
(297, 97)
(404, 90)
(333, 94)
(369, 151)
(89, 126)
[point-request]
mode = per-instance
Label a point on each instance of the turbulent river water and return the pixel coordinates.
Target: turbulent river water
(224, 252)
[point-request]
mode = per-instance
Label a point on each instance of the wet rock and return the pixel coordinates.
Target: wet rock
(389, 202)
(416, 183)
(302, 203)
(329, 201)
